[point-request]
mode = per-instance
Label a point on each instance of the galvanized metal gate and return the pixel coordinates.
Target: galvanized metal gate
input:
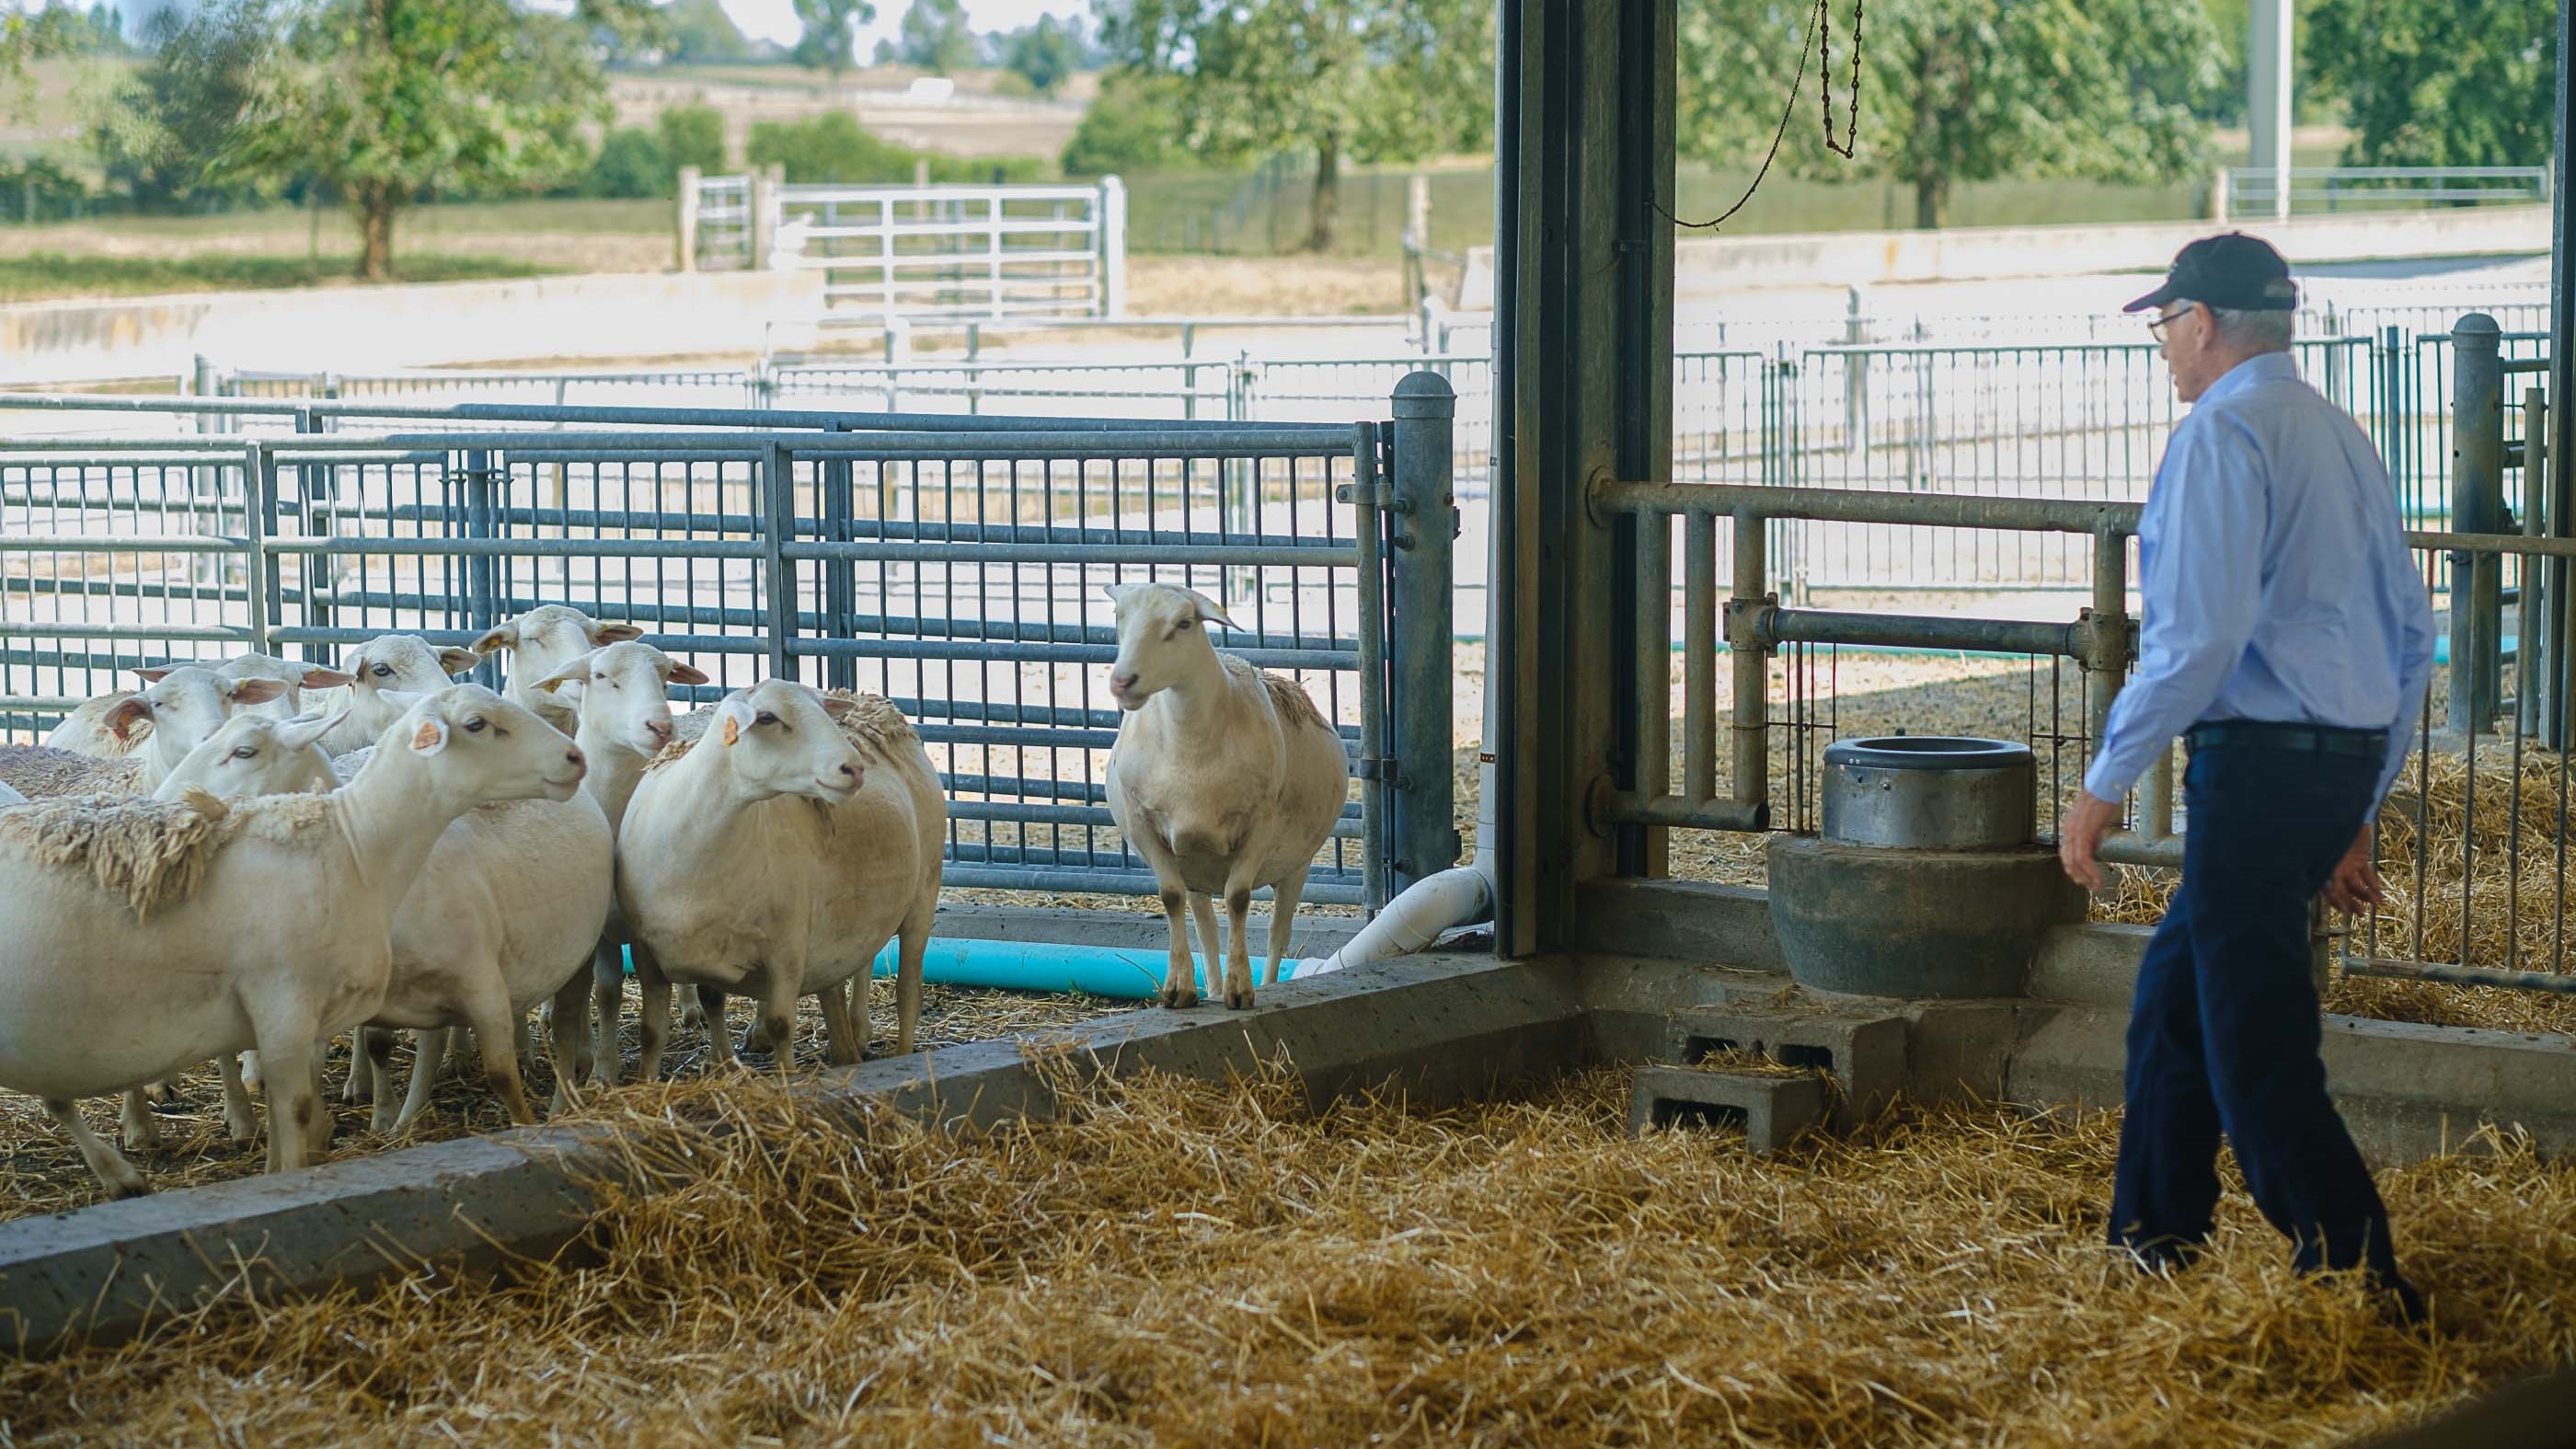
(959, 572)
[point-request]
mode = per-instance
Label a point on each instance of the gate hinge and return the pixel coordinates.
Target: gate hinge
(1374, 767)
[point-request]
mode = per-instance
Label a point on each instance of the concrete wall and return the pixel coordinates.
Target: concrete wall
(375, 328)
(1705, 266)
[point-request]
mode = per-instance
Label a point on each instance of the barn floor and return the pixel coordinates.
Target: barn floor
(1170, 1263)
(40, 1172)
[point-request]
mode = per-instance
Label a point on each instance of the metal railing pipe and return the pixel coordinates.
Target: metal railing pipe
(1752, 783)
(1699, 657)
(1846, 505)
(2477, 506)
(1773, 625)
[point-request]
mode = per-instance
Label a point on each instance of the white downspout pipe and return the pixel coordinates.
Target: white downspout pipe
(1460, 896)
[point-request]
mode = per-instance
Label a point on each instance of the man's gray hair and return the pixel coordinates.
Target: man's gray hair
(2265, 331)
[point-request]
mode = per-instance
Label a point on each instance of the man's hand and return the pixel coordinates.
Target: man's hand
(2080, 834)
(2356, 883)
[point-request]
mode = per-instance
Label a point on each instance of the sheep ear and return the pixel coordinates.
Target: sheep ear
(499, 636)
(456, 661)
(126, 713)
(255, 691)
(430, 737)
(733, 717)
(1209, 613)
(154, 674)
(318, 677)
(573, 672)
(685, 674)
(1117, 592)
(837, 705)
(308, 729)
(615, 633)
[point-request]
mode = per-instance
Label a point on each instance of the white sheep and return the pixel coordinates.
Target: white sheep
(625, 721)
(403, 663)
(187, 946)
(1224, 778)
(9, 796)
(503, 915)
(84, 731)
(777, 855)
(252, 755)
(182, 704)
(542, 641)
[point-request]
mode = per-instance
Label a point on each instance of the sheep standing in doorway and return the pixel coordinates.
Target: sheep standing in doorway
(1224, 778)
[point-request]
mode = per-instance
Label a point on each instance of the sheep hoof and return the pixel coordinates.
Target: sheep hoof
(1179, 999)
(125, 1187)
(1238, 1000)
(161, 1094)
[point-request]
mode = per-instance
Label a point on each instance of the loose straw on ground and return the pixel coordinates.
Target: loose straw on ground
(1174, 1263)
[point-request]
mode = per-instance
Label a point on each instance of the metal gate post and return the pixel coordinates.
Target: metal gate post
(2477, 506)
(778, 517)
(260, 575)
(482, 570)
(312, 486)
(840, 576)
(1420, 641)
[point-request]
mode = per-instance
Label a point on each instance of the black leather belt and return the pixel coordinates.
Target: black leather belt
(2268, 735)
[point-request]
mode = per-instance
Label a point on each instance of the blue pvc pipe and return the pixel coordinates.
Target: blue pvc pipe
(1119, 973)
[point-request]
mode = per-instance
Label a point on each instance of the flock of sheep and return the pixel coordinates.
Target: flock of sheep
(212, 867)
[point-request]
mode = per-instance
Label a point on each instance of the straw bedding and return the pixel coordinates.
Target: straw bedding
(41, 1173)
(1170, 1263)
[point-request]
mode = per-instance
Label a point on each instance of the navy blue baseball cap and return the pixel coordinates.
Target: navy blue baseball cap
(2238, 272)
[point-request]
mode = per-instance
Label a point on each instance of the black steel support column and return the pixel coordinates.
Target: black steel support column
(1583, 347)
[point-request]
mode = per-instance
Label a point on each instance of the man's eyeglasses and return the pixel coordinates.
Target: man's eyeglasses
(2156, 327)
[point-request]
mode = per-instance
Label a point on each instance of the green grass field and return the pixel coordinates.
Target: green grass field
(41, 276)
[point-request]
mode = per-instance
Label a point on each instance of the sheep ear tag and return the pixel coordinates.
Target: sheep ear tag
(733, 715)
(430, 738)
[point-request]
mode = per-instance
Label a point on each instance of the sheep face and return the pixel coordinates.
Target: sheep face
(548, 637)
(256, 755)
(1161, 639)
(404, 664)
(626, 701)
(779, 738)
(485, 748)
(185, 704)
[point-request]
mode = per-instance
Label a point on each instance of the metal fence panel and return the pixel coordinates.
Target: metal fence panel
(962, 575)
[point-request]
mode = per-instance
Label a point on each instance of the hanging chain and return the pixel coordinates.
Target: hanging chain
(1821, 28)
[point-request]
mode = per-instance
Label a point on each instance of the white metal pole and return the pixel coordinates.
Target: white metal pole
(2268, 60)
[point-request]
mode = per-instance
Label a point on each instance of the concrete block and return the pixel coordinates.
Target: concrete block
(1864, 1051)
(1772, 1110)
(2090, 965)
(1680, 920)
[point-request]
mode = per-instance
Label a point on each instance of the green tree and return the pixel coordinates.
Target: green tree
(1128, 127)
(831, 34)
(158, 133)
(2438, 82)
(1045, 54)
(935, 37)
(631, 164)
(1955, 90)
(1377, 80)
(384, 99)
(702, 34)
(693, 136)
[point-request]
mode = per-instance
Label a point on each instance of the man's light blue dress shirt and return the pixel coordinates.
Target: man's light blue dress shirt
(2276, 580)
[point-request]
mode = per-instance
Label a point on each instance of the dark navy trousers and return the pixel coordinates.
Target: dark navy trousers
(2224, 1033)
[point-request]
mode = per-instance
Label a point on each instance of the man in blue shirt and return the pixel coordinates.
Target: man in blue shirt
(2287, 639)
